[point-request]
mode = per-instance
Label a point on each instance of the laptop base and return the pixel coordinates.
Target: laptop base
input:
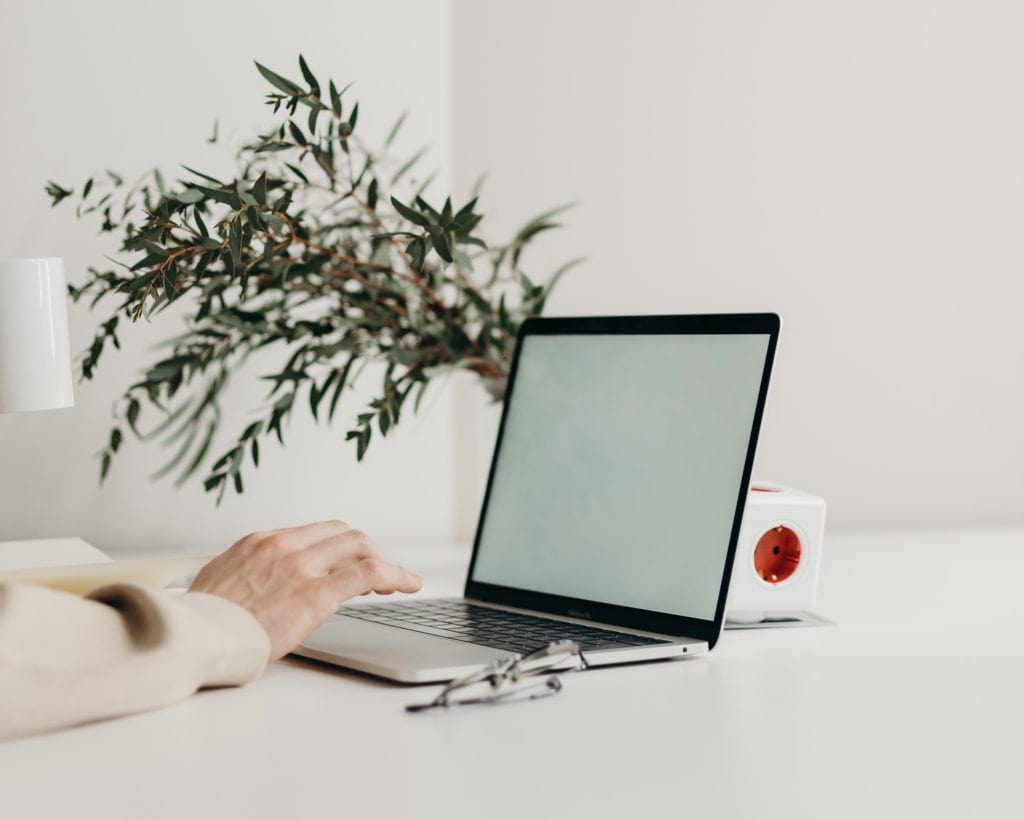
(408, 656)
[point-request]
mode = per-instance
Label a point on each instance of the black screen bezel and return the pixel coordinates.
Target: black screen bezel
(704, 324)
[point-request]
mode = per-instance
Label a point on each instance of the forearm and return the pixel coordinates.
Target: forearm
(125, 648)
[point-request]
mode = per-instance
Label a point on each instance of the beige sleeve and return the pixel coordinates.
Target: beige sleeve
(124, 648)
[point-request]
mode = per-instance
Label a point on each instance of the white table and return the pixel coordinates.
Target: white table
(913, 706)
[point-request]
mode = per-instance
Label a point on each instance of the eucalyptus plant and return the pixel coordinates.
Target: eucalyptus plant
(321, 253)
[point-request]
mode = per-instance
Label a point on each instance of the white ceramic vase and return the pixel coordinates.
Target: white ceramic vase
(35, 353)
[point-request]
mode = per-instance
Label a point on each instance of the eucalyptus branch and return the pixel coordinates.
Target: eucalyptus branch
(303, 257)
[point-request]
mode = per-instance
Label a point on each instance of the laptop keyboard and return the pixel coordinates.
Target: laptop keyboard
(494, 628)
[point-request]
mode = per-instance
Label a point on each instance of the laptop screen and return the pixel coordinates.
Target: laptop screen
(619, 468)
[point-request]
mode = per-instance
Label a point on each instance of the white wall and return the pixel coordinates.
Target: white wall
(855, 166)
(131, 84)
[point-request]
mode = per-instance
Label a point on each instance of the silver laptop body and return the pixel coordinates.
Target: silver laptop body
(613, 504)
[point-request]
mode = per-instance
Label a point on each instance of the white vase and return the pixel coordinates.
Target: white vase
(35, 354)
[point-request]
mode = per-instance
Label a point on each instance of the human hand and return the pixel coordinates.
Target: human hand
(292, 580)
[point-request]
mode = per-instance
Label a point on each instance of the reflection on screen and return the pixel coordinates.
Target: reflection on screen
(620, 466)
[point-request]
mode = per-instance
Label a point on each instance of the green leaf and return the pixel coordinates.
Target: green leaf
(477, 186)
(296, 133)
(335, 100)
(314, 399)
(279, 82)
(190, 196)
(427, 208)
(207, 177)
(170, 281)
(371, 195)
(146, 262)
(464, 226)
(133, 415)
(395, 129)
(283, 202)
(440, 243)
(259, 189)
(252, 430)
(168, 422)
(407, 166)
(298, 172)
(541, 219)
(314, 86)
(466, 209)
(316, 394)
(116, 437)
(223, 460)
(57, 193)
(342, 380)
(224, 197)
(200, 455)
(353, 117)
(104, 467)
(284, 402)
(363, 442)
(244, 195)
(275, 425)
(200, 224)
(419, 396)
(413, 216)
(235, 243)
(526, 235)
(417, 251)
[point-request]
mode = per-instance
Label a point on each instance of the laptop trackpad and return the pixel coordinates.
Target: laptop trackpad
(400, 654)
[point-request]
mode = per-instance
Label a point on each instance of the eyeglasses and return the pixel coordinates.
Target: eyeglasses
(515, 678)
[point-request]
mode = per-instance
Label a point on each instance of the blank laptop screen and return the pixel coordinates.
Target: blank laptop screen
(620, 466)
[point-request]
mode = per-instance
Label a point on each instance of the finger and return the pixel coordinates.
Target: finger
(339, 550)
(397, 579)
(371, 575)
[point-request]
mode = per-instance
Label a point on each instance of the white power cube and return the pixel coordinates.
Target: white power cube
(778, 555)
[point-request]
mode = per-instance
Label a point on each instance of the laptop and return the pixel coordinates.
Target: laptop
(612, 507)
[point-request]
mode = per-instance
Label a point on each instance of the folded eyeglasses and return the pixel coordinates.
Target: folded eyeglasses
(526, 677)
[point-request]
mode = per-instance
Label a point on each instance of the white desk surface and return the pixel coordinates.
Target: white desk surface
(913, 706)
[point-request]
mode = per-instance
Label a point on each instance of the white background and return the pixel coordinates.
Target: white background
(856, 167)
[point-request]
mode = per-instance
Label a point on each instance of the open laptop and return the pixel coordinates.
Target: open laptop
(613, 504)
